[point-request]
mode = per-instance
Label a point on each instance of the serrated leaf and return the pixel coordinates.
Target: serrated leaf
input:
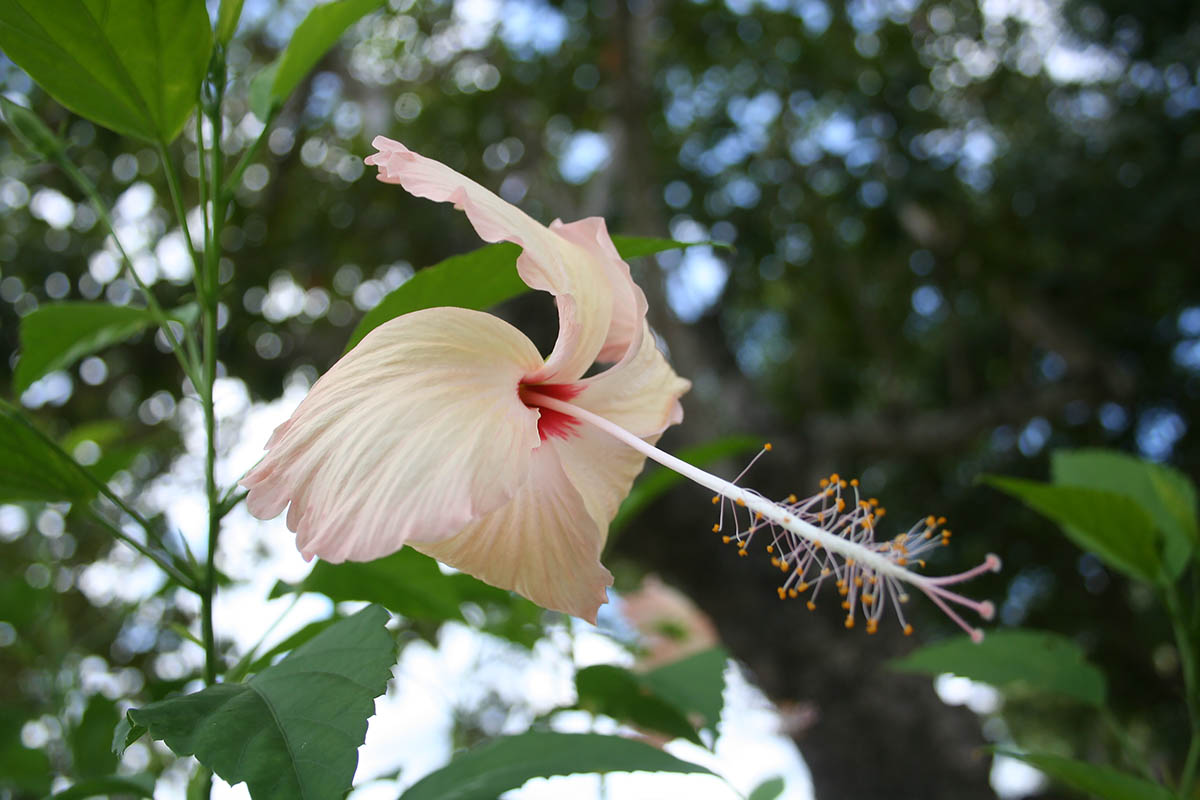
(656, 480)
(1095, 780)
(134, 66)
(485, 772)
(140, 785)
(55, 336)
(1035, 660)
(293, 730)
(695, 684)
(769, 789)
(30, 129)
(312, 38)
(1110, 525)
(32, 470)
(626, 697)
(1163, 493)
(478, 280)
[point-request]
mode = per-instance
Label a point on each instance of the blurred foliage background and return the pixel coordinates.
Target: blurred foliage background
(962, 234)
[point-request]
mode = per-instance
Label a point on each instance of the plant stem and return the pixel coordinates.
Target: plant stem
(180, 211)
(1187, 661)
(211, 294)
(186, 358)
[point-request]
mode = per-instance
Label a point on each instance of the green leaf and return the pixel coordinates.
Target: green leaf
(1110, 525)
(21, 767)
(626, 697)
(134, 66)
(91, 753)
(1096, 780)
(485, 772)
(257, 664)
(30, 129)
(769, 789)
(657, 480)
(695, 683)
(118, 448)
(312, 38)
(227, 20)
(1036, 660)
(1163, 493)
(55, 336)
(293, 730)
(479, 279)
(32, 470)
(140, 785)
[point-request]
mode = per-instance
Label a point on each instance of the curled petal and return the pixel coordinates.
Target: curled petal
(601, 469)
(576, 275)
(543, 544)
(415, 432)
(640, 394)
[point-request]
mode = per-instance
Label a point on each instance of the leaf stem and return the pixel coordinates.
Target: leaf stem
(180, 211)
(166, 566)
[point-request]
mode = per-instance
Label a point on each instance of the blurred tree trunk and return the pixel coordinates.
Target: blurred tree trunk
(865, 732)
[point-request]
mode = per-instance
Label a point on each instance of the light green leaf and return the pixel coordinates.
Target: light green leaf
(30, 129)
(228, 15)
(657, 480)
(140, 785)
(55, 336)
(1110, 525)
(695, 683)
(32, 470)
(1094, 780)
(312, 38)
(627, 697)
(293, 730)
(134, 66)
(1163, 493)
(485, 772)
(769, 789)
(1038, 661)
(478, 280)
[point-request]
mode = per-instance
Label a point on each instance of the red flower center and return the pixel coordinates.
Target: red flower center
(551, 423)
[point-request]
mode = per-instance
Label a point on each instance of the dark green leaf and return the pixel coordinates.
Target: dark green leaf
(1163, 493)
(30, 469)
(769, 789)
(286, 646)
(486, 772)
(657, 480)
(1110, 525)
(32, 132)
(479, 279)
(134, 66)
(1034, 660)
(294, 729)
(125, 734)
(141, 785)
(1095, 780)
(55, 336)
(312, 38)
(118, 448)
(21, 767)
(626, 697)
(695, 683)
(91, 739)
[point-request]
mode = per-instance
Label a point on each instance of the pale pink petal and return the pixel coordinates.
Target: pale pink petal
(629, 303)
(576, 275)
(640, 393)
(417, 431)
(600, 468)
(543, 544)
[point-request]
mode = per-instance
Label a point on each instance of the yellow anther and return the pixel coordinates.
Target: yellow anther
(849, 622)
(902, 562)
(716, 499)
(846, 604)
(774, 562)
(716, 528)
(820, 516)
(858, 581)
(740, 502)
(726, 539)
(930, 521)
(802, 587)
(782, 592)
(879, 512)
(854, 482)
(842, 484)
(849, 562)
(908, 630)
(868, 599)
(783, 566)
(791, 498)
(742, 552)
(758, 515)
(811, 605)
(829, 492)
(921, 562)
(941, 520)
(864, 504)
(845, 590)
(825, 572)
(834, 478)
(770, 548)
(873, 501)
(872, 626)
(946, 534)
(841, 505)
(792, 593)
(767, 447)
(824, 482)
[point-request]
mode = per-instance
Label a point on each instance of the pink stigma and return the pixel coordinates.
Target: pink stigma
(551, 423)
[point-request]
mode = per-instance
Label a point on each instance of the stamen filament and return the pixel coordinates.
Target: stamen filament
(847, 533)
